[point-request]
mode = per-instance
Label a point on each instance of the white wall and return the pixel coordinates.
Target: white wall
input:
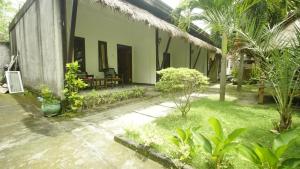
(179, 50)
(39, 45)
(201, 64)
(4, 57)
(95, 23)
(180, 53)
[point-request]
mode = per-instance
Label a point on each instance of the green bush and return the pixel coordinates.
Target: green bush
(73, 100)
(176, 82)
(47, 96)
(235, 72)
(95, 98)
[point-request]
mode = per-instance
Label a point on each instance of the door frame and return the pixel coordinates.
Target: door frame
(84, 52)
(131, 71)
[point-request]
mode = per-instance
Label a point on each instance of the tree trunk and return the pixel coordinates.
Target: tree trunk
(241, 72)
(223, 67)
(285, 120)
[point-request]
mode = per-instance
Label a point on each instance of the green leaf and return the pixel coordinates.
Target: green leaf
(216, 125)
(202, 140)
(233, 135)
(285, 139)
(291, 163)
(228, 147)
(215, 140)
(249, 154)
(181, 134)
(175, 140)
(280, 150)
(266, 155)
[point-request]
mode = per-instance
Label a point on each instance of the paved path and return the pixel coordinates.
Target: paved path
(28, 140)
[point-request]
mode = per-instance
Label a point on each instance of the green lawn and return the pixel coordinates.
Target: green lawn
(256, 118)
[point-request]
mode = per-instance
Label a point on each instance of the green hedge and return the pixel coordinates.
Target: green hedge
(95, 99)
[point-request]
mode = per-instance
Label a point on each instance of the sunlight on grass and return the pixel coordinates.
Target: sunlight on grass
(257, 119)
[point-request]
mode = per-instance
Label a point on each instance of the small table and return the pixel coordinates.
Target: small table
(100, 82)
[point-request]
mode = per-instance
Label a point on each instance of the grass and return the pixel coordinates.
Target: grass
(256, 118)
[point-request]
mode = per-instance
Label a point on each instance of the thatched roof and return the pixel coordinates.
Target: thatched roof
(141, 15)
(289, 33)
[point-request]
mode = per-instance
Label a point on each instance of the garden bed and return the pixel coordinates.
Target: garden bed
(257, 119)
(111, 98)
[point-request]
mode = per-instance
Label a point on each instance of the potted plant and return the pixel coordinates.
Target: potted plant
(50, 105)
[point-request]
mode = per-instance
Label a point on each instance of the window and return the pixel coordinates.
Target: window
(102, 55)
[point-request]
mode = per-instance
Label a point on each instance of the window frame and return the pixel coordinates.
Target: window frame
(102, 61)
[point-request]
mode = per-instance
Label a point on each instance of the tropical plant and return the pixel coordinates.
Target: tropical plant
(285, 76)
(73, 84)
(181, 82)
(221, 16)
(272, 158)
(218, 145)
(275, 11)
(255, 73)
(5, 10)
(279, 62)
(184, 142)
(47, 96)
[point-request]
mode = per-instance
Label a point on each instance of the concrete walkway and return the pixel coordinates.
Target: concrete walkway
(28, 140)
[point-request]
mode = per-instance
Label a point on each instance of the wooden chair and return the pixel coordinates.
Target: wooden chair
(89, 79)
(112, 78)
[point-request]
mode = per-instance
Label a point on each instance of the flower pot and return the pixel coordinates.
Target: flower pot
(51, 110)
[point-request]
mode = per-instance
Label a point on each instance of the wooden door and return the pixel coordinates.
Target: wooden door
(125, 63)
(79, 52)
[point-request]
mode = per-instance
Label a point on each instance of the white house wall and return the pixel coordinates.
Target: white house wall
(38, 43)
(95, 23)
(201, 64)
(180, 53)
(179, 50)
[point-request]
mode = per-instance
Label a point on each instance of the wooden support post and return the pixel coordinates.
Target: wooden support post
(63, 32)
(198, 55)
(72, 31)
(166, 51)
(261, 92)
(241, 72)
(190, 65)
(168, 45)
(157, 48)
(207, 59)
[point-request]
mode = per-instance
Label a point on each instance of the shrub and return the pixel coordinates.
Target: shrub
(181, 82)
(73, 100)
(47, 96)
(95, 98)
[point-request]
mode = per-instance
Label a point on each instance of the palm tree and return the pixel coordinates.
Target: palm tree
(279, 61)
(276, 11)
(221, 16)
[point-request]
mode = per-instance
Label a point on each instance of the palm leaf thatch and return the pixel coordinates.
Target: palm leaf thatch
(141, 15)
